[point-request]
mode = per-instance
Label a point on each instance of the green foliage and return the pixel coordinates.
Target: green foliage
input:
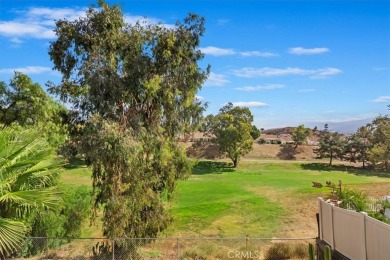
(371, 143)
(136, 84)
(136, 174)
(357, 146)
(22, 101)
(379, 154)
(331, 145)
(67, 220)
(311, 251)
(27, 182)
(26, 103)
(379, 216)
(353, 199)
(327, 253)
(300, 134)
(255, 132)
(346, 198)
(232, 128)
(76, 209)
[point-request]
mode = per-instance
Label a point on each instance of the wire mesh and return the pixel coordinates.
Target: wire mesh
(39, 248)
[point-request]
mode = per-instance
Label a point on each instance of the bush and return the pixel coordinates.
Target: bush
(279, 251)
(353, 199)
(77, 209)
(301, 251)
(68, 221)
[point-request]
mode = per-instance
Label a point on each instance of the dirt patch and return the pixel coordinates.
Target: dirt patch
(376, 190)
(299, 221)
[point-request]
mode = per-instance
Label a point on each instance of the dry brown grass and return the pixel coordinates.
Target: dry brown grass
(209, 150)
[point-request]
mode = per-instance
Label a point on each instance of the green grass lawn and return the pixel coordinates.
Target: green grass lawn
(221, 201)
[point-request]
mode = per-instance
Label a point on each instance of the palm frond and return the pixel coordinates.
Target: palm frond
(24, 200)
(11, 235)
(27, 174)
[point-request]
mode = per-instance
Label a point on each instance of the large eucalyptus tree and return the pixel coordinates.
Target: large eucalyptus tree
(135, 87)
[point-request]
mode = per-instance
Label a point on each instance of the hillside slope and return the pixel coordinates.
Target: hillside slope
(260, 151)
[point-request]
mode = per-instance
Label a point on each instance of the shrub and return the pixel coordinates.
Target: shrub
(68, 221)
(300, 251)
(353, 199)
(279, 251)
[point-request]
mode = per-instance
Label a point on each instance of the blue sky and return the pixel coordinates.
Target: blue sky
(290, 62)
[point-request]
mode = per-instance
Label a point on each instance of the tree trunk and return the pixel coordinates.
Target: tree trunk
(235, 162)
(331, 158)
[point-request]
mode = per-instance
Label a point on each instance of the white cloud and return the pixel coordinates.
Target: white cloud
(215, 51)
(200, 98)
(250, 72)
(27, 70)
(303, 51)
(49, 15)
(250, 104)
(381, 99)
(259, 88)
(216, 80)
(39, 22)
(15, 30)
(324, 73)
(257, 54)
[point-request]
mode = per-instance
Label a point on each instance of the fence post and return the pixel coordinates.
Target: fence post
(320, 218)
(364, 214)
(177, 248)
(47, 248)
(113, 249)
(332, 222)
(246, 247)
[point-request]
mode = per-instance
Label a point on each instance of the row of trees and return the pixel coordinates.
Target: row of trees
(234, 133)
(370, 144)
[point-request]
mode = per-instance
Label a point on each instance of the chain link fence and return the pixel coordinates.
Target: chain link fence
(39, 248)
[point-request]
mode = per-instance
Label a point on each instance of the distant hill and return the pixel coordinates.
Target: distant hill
(287, 131)
(279, 131)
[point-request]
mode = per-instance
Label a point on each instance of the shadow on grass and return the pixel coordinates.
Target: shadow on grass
(343, 168)
(75, 163)
(287, 152)
(209, 167)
